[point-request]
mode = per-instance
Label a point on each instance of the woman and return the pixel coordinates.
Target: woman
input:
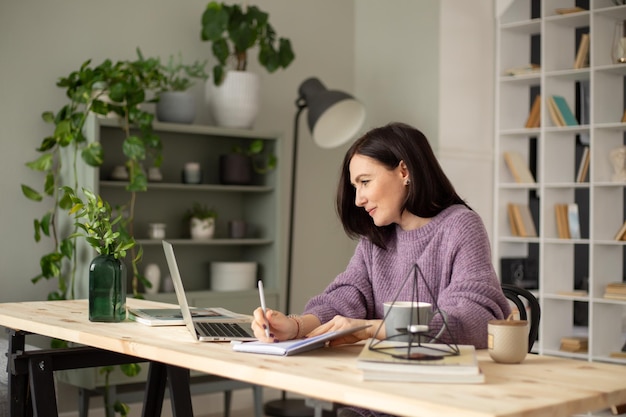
(395, 198)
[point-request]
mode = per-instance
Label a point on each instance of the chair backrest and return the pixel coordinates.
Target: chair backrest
(517, 296)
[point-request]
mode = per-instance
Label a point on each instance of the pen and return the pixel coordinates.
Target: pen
(262, 297)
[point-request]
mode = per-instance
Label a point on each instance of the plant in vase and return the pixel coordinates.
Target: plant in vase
(176, 103)
(201, 220)
(232, 31)
(107, 272)
(237, 167)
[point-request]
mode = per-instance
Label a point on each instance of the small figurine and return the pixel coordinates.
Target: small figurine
(618, 159)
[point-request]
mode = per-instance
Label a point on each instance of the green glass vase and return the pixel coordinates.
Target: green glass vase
(107, 289)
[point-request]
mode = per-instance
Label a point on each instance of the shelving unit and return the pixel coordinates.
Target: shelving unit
(167, 201)
(528, 28)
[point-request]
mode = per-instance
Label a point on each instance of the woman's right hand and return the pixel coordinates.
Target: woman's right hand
(281, 327)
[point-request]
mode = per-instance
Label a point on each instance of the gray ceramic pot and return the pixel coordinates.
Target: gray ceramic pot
(176, 107)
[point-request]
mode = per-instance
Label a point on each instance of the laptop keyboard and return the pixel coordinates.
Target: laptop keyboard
(221, 329)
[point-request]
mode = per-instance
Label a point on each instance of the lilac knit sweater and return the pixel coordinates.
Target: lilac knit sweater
(454, 255)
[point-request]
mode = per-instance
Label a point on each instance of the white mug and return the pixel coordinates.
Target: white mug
(399, 325)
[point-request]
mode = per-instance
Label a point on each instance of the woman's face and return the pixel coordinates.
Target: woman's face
(379, 190)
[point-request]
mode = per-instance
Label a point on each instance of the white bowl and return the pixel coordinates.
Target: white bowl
(233, 276)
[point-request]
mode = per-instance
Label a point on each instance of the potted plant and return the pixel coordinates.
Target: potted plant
(107, 272)
(176, 103)
(201, 220)
(237, 167)
(232, 31)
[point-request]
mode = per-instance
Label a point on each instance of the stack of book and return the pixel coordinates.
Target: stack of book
(615, 290)
(574, 344)
(388, 364)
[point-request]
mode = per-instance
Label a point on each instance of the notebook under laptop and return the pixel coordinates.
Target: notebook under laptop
(201, 330)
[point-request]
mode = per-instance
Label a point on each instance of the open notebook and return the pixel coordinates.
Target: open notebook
(205, 330)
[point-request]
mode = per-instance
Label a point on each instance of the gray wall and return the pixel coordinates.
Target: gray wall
(412, 62)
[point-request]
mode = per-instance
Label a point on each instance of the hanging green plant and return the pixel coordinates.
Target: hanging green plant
(107, 89)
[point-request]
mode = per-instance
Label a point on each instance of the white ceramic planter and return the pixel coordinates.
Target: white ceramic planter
(202, 228)
(235, 102)
(233, 276)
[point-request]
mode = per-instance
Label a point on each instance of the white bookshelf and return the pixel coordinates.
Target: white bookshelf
(556, 166)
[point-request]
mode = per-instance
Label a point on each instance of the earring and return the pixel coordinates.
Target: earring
(407, 181)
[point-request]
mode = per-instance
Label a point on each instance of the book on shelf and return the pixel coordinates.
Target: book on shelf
(562, 225)
(621, 233)
(382, 365)
(564, 112)
(534, 116)
(521, 220)
(173, 316)
(582, 55)
(523, 70)
(573, 221)
(615, 290)
(623, 117)
(583, 166)
(577, 344)
(518, 167)
(568, 10)
(555, 115)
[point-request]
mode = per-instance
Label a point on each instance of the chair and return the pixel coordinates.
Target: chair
(521, 297)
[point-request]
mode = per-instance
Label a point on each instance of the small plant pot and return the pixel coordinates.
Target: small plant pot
(202, 228)
(176, 107)
(235, 169)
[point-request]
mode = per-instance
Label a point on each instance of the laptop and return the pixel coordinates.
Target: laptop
(202, 330)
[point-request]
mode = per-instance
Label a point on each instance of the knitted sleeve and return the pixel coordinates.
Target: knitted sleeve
(473, 295)
(350, 294)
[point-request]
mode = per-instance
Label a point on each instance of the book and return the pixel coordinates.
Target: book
(623, 117)
(583, 166)
(573, 221)
(528, 225)
(523, 70)
(534, 117)
(574, 344)
(621, 233)
(615, 290)
(561, 221)
(521, 220)
(513, 220)
(380, 364)
(564, 110)
(173, 316)
(568, 10)
(582, 55)
(293, 347)
(518, 167)
(555, 115)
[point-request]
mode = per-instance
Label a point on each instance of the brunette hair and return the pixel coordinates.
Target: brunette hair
(429, 191)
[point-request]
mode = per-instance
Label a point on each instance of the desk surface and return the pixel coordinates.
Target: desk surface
(540, 386)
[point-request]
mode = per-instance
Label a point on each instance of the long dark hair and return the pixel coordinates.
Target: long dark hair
(429, 192)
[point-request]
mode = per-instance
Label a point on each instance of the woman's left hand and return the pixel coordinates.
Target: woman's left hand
(341, 323)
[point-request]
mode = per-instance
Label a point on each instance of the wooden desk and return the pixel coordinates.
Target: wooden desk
(541, 386)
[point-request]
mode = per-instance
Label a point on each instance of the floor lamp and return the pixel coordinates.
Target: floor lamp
(334, 118)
